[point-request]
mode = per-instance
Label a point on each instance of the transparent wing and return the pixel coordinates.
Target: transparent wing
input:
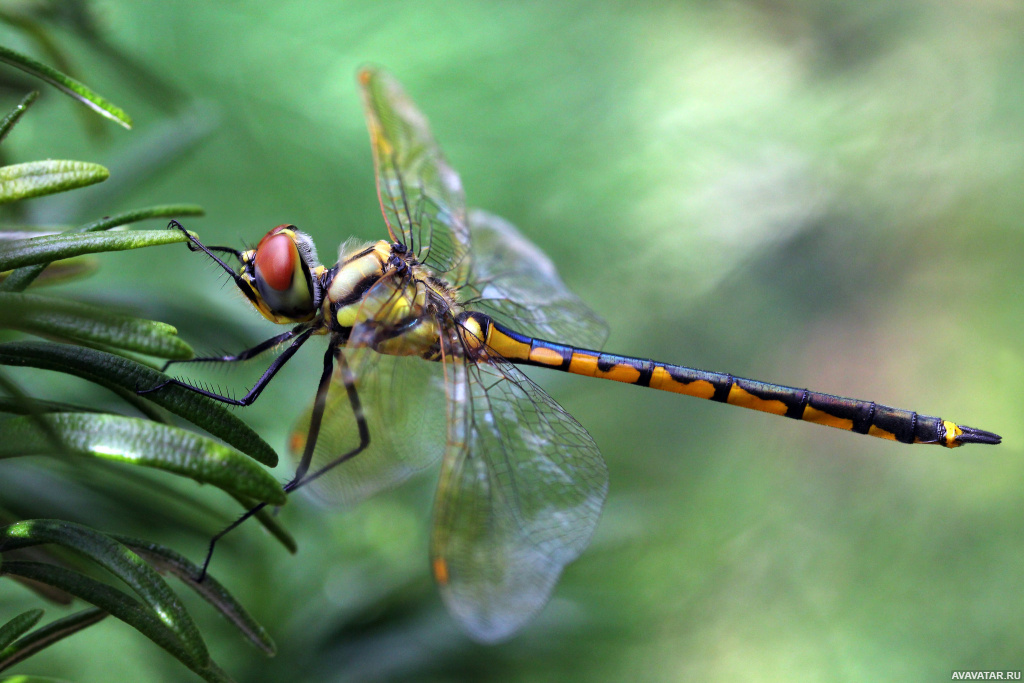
(521, 489)
(402, 399)
(420, 195)
(515, 283)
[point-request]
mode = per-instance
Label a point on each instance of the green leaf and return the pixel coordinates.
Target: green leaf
(46, 636)
(148, 410)
(119, 373)
(37, 178)
(141, 442)
(69, 320)
(34, 406)
(136, 215)
(119, 561)
(166, 560)
(52, 247)
(56, 273)
(12, 118)
(25, 678)
(66, 84)
(119, 604)
(22, 278)
(27, 406)
(13, 629)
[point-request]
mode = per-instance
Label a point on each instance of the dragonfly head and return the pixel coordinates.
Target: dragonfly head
(281, 276)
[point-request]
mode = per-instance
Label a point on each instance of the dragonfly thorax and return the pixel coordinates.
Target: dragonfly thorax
(380, 296)
(354, 275)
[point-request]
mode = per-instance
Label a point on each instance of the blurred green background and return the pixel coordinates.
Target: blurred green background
(814, 192)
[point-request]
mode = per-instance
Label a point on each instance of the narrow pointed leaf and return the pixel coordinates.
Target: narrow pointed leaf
(14, 628)
(66, 84)
(119, 373)
(56, 273)
(141, 442)
(34, 406)
(147, 408)
(15, 115)
(136, 215)
(23, 277)
(38, 178)
(119, 561)
(166, 560)
(46, 636)
(120, 605)
(54, 595)
(52, 247)
(28, 407)
(70, 320)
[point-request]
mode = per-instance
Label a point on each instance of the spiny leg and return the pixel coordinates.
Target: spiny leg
(317, 416)
(257, 388)
(349, 381)
(314, 429)
(244, 355)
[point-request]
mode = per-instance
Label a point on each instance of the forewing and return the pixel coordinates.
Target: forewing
(515, 283)
(420, 194)
(521, 489)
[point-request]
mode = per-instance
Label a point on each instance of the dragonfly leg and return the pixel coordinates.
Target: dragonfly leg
(195, 245)
(244, 355)
(227, 250)
(222, 533)
(349, 380)
(316, 418)
(257, 388)
(314, 431)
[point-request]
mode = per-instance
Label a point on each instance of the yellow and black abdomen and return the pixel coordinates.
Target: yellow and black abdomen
(862, 417)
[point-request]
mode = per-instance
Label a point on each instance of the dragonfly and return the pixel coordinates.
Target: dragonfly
(426, 331)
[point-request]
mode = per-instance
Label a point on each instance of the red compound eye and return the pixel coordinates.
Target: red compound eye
(275, 261)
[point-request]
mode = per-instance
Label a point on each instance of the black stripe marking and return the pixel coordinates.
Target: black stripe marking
(360, 255)
(511, 334)
(249, 292)
(684, 375)
(896, 421)
(646, 368)
(862, 423)
(793, 399)
(930, 429)
(564, 352)
(796, 409)
(722, 389)
(357, 293)
(857, 412)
